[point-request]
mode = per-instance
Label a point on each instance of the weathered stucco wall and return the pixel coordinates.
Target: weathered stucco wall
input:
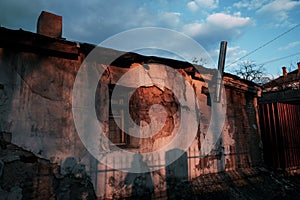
(36, 104)
(36, 107)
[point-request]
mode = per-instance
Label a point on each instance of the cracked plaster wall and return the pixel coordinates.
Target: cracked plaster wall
(35, 105)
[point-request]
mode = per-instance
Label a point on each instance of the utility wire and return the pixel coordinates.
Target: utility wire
(277, 59)
(265, 44)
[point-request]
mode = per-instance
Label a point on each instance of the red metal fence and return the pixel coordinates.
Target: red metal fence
(280, 129)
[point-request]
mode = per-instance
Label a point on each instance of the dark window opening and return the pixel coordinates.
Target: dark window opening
(119, 123)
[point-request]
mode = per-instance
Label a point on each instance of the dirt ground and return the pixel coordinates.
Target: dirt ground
(247, 184)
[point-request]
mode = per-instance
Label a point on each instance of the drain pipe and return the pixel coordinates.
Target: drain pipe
(221, 64)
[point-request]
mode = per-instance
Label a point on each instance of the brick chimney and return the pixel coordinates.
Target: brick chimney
(298, 63)
(284, 73)
(49, 25)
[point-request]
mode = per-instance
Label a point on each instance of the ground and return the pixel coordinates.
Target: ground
(254, 183)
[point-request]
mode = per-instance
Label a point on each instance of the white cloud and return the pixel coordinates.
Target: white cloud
(170, 18)
(211, 4)
(192, 6)
(290, 45)
(217, 27)
(226, 22)
(250, 5)
(194, 29)
(278, 10)
(203, 4)
(217, 22)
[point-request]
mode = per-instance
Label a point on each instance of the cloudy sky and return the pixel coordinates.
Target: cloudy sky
(246, 25)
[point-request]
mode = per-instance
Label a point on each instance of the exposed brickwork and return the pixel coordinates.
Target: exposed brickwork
(141, 101)
(25, 176)
(245, 151)
(49, 25)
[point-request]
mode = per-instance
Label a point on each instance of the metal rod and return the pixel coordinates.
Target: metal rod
(221, 64)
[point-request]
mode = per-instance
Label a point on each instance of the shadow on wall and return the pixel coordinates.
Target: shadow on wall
(178, 186)
(141, 183)
(73, 182)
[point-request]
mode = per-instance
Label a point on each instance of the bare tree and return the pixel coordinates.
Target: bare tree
(198, 61)
(248, 70)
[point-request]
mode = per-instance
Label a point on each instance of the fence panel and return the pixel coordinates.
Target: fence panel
(280, 130)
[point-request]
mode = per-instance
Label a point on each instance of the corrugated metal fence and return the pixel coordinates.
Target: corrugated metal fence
(280, 130)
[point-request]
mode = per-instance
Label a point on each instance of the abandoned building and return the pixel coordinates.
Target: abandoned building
(38, 73)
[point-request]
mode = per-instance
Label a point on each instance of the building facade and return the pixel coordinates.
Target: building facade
(45, 104)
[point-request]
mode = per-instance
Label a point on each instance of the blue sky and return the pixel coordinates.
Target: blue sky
(246, 25)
